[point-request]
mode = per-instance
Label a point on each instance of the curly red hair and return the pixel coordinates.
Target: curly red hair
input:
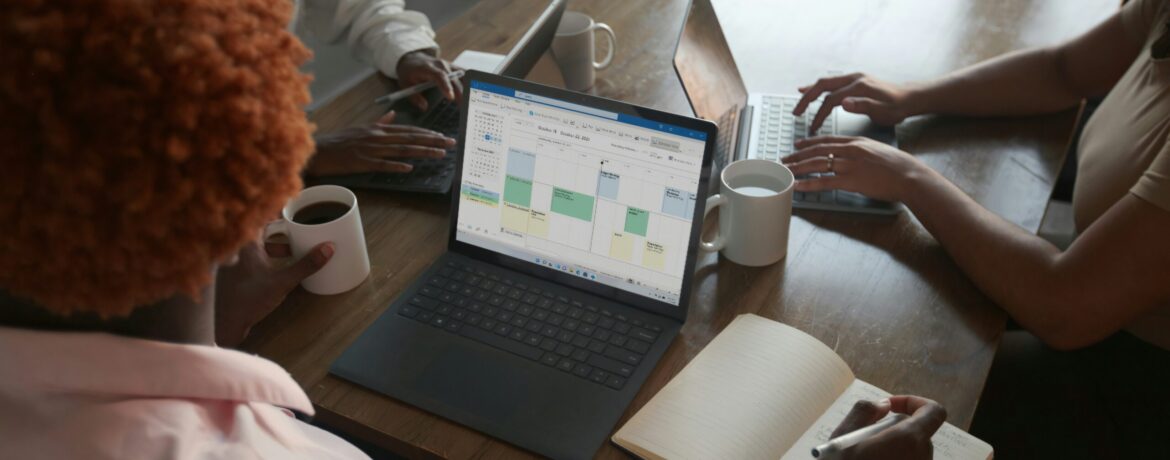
(141, 142)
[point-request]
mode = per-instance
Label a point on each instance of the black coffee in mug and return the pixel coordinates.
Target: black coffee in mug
(320, 213)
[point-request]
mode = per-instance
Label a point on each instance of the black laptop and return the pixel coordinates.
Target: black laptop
(435, 175)
(567, 274)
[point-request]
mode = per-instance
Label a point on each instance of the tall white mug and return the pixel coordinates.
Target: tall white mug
(350, 263)
(573, 47)
(755, 197)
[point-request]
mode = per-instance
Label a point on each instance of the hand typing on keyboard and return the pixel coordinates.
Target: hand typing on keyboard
(884, 103)
(375, 147)
(858, 164)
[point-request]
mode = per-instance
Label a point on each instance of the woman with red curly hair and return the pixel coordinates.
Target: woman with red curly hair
(144, 143)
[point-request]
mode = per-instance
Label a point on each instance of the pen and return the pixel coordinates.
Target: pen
(834, 446)
(411, 91)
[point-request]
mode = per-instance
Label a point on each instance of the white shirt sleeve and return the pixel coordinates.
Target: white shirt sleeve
(378, 32)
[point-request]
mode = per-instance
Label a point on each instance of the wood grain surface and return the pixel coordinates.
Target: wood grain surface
(880, 291)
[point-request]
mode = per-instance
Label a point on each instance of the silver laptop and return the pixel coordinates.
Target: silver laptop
(760, 125)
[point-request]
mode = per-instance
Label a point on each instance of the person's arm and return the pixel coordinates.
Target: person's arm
(1114, 272)
(382, 33)
(1026, 82)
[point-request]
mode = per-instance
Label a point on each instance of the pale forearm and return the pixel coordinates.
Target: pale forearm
(1026, 82)
(1013, 267)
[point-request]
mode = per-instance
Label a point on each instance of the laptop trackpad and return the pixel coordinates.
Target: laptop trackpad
(477, 382)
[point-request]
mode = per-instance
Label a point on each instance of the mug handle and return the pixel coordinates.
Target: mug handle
(275, 227)
(719, 242)
(612, 45)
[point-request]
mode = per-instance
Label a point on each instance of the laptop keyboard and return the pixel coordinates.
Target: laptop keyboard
(779, 128)
(591, 342)
(429, 174)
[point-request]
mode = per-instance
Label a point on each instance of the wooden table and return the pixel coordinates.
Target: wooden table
(879, 291)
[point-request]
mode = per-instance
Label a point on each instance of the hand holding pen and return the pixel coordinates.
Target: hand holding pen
(420, 68)
(902, 428)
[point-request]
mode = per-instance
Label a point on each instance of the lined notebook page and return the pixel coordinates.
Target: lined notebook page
(949, 441)
(750, 394)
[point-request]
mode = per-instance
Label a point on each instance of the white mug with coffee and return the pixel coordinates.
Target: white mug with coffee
(326, 213)
(755, 197)
(573, 48)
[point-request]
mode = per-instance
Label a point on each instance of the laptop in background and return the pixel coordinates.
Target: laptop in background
(760, 125)
(435, 175)
(569, 268)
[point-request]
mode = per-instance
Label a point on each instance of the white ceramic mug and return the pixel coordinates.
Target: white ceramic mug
(573, 48)
(756, 201)
(350, 263)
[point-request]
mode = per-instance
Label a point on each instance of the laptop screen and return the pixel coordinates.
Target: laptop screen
(607, 197)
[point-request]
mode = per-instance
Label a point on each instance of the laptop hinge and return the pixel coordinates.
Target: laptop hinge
(745, 130)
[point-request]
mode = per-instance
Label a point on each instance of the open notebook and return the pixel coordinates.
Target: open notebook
(761, 390)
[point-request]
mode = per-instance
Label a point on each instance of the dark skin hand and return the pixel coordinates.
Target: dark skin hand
(254, 286)
(423, 66)
(908, 440)
(373, 148)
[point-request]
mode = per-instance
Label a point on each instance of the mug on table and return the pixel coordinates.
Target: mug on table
(755, 197)
(573, 47)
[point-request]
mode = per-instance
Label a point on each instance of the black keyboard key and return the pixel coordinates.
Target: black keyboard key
(424, 302)
(504, 316)
(566, 365)
(459, 314)
(550, 359)
(654, 327)
(580, 355)
(452, 326)
(605, 323)
(518, 335)
(540, 315)
(424, 316)
(622, 328)
(602, 335)
(599, 376)
(571, 324)
(408, 311)
(638, 346)
(586, 330)
(590, 318)
(580, 341)
(474, 319)
(477, 306)
(596, 347)
(445, 309)
(525, 310)
(591, 307)
(618, 340)
(502, 343)
(544, 304)
(621, 317)
(491, 311)
(530, 299)
(643, 334)
(565, 336)
(576, 313)
(611, 366)
(488, 323)
(560, 308)
(615, 382)
(533, 326)
(503, 329)
(429, 291)
(511, 305)
(564, 349)
(623, 355)
(532, 339)
(518, 321)
(549, 331)
(637, 322)
(439, 321)
(555, 319)
(548, 345)
(582, 370)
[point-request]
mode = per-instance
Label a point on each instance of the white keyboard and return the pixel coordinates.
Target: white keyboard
(779, 128)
